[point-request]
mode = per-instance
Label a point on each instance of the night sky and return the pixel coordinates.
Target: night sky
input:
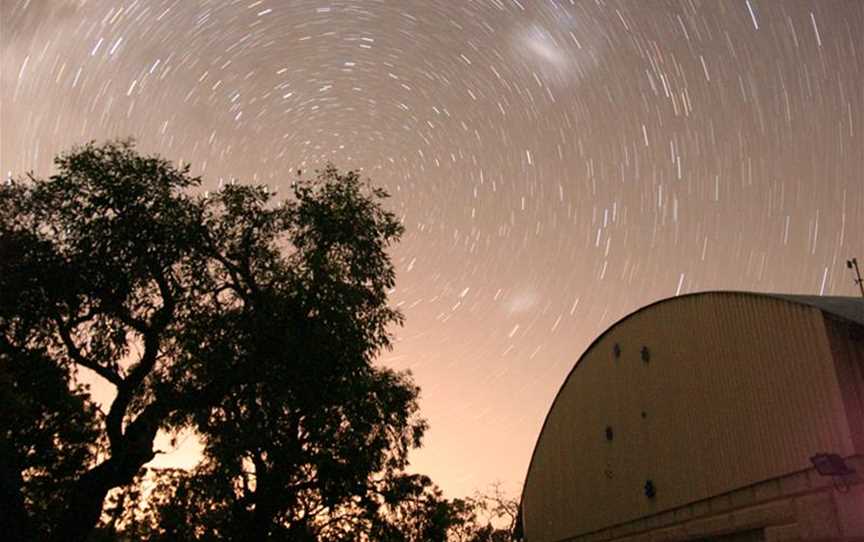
(557, 163)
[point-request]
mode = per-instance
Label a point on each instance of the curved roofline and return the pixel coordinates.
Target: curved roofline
(839, 306)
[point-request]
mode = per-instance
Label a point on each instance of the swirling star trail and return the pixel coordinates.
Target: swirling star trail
(557, 163)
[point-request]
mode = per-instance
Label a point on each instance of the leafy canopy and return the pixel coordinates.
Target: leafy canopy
(253, 322)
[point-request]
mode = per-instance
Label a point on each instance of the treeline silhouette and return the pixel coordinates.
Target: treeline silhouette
(251, 322)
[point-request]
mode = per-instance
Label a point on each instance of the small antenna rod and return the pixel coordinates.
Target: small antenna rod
(853, 264)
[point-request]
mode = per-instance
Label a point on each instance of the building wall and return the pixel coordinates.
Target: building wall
(738, 389)
(799, 506)
(847, 346)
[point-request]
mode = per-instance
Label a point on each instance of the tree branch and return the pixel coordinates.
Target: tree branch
(76, 355)
(83, 508)
(116, 309)
(139, 371)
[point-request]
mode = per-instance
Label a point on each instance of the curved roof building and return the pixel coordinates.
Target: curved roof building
(717, 415)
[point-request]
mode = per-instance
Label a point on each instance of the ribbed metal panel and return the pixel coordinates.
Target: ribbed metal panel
(739, 389)
(847, 344)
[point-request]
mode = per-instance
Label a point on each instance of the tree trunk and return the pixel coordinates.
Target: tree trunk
(84, 506)
(260, 520)
(83, 509)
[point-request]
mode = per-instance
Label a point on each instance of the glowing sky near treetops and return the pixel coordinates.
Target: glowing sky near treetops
(557, 164)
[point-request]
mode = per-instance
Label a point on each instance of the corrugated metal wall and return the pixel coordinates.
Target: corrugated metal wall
(847, 344)
(738, 389)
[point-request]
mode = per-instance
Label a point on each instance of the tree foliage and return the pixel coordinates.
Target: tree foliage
(251, 321)
(93, 261)
(49, 436)
(183, 506)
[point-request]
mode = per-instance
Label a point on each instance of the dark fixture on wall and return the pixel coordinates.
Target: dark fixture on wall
(835, 466)
(616, 350)
(853, 264)
(609, 434)
(650, 490)
(644, 414)
(646, 354)
(831, 465)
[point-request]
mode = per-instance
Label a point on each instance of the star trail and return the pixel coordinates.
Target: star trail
(557, 163)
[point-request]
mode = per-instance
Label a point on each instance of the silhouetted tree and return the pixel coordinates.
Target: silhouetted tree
(307, 425)
(493, 506)
(93, 260)
(254, 323)
(184, 506)
(47, 437)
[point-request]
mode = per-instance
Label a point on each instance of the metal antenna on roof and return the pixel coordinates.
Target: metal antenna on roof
(853, 264)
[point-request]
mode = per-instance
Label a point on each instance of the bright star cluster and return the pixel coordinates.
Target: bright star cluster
(557, 163)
